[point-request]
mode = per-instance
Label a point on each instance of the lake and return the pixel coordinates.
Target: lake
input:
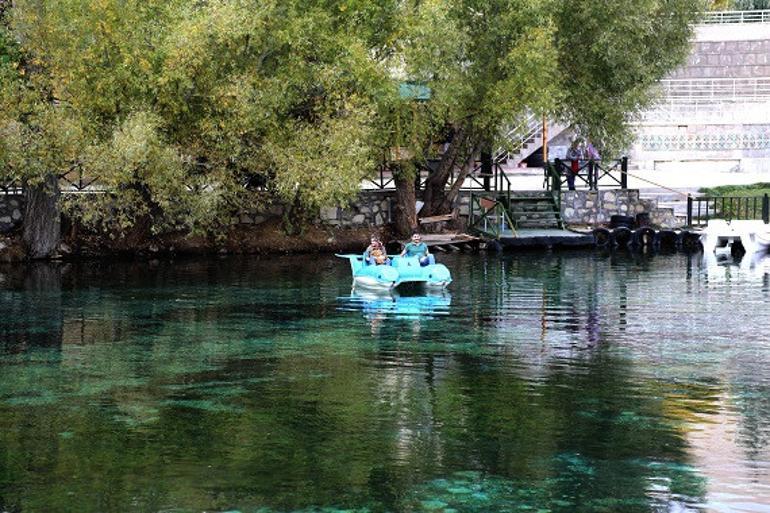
(566, 382)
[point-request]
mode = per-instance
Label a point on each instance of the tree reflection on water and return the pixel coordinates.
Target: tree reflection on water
(213, 385)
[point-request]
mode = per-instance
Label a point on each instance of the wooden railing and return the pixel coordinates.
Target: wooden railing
(591, 174)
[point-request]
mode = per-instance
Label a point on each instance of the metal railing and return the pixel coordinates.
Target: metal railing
(725, 17)
(590, 174)
(9, 186)
(488, 216)
(518, 135)
(703, 208)
(707, 111)
(721, 90)
(476, 180)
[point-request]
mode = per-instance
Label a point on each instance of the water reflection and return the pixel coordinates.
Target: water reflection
(565, 382)
(418, 305)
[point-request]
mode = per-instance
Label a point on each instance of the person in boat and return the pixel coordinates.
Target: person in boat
(417, 248)
(375, 254)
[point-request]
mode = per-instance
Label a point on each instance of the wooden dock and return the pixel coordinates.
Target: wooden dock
(545, 238)
(444, 242)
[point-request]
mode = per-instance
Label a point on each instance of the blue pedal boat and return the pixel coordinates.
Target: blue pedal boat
(401, 270)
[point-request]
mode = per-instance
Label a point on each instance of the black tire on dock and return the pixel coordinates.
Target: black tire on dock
(494, 245)
(618, 220)
(602, 237)
(643, 237)
(622, 236)
(690, 242)
(668, 240)
(737, 250)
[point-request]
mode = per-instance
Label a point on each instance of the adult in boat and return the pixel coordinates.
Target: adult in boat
(417, 248)
(375, 253)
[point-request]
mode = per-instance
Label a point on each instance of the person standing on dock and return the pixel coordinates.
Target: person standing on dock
(574, 155)
(417, 248)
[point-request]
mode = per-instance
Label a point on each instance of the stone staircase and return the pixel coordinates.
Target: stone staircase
(534, 210)
(667, 200)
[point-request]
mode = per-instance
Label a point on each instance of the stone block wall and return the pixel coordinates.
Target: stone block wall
(727, 59)
(11, 212)
(372, 208)
(595, 208)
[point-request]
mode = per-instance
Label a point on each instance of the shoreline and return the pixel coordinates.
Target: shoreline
(269, 239)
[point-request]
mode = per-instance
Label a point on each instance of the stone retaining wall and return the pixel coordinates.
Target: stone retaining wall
(594, 208)
(374, 209)
(11, 212)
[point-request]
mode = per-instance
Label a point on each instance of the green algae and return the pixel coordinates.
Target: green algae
(248, 390)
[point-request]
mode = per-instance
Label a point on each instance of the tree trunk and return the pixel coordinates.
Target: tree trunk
(405, 212)
(459, 156)
(449, 196)
(42, 218)
(435, 184)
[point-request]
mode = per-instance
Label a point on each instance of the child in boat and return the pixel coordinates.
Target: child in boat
(417, 248)
(375, 253)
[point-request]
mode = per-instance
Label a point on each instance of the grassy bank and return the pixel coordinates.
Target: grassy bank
(754, 189)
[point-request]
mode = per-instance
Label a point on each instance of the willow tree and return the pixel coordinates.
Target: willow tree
(173, 105)
(180, 102)
(592, 64)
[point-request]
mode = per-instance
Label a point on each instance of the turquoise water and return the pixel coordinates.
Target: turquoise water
(559, 383)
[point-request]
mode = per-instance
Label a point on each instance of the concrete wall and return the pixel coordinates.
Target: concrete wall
(594, 208)
(727, 59)
(11, 212)
(718, 147)
(727, 135)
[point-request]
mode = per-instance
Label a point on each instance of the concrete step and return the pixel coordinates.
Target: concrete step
(538, 224)
(546, 207)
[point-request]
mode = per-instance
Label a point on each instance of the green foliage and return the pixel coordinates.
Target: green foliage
(170, 104)
(749, 5)
(612, 53)
(754, 189)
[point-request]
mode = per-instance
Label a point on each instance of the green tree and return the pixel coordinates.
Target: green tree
(591, 64)
(174, 104)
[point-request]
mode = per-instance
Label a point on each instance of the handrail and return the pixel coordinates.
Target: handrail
(528, 128)
(727, 207)
(683, 90)
(492, 221)
(590, 172)
(729, 17)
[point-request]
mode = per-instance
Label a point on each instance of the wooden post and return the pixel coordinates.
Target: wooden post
(487, 167)
(624, 173)
(545, 139)
(689, 210)
(766, 209)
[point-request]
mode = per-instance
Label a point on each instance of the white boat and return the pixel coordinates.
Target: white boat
(720, 236)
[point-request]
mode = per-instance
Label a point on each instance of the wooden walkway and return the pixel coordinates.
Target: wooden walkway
(545, 238)
(443, 242)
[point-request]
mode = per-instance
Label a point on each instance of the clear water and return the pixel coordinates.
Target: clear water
(558, 383)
